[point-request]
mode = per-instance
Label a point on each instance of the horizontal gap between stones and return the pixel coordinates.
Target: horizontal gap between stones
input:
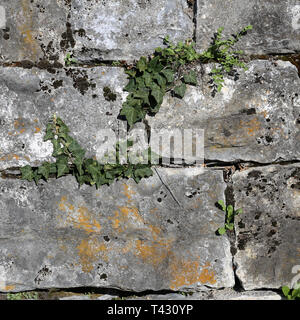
(294, 58)
(213, 164)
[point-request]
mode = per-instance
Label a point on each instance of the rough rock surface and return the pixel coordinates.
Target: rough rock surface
(126, 30)
(34, 31)
(128, 236)
(268, 242)
(253, 119)
(276, 25)
(30, 97)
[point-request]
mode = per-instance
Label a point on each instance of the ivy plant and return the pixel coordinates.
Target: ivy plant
(230, 214)
(70, 159)
(291, 294)
(168, 69)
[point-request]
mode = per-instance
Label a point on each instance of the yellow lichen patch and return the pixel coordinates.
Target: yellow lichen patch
(127, 192)
(26, 30)
(89, 251)
(153, 252)
(10, 157)
(251, 126)
(186, 273)
(8, 288)
(79, 217)
(37, 130)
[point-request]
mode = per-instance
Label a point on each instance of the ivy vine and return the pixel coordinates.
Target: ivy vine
(167, 69)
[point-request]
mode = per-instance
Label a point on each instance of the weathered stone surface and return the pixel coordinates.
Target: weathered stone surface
(128, 236)
(229, 294)
(268, 241)
(256, 118)
(34, 30)
(126, 30)
(276, 26)
(30, 97)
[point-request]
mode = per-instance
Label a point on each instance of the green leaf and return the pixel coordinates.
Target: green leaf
(230, 211)
(131, 86)
(44, 170)
(36, 176)
(93, 170)
(238, 211)
(62, 166)
(142, 64)
(158, 95)
(130, 113)
(190, 78)
(285, 290)
(180, 90)
(49, 132)
(27, 173)
(222, 205)
(57, 149)
(168, 74)
(229, 226)
(221, 231)
(143, 173)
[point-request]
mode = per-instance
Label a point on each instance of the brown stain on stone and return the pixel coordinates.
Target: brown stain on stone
(8, 288)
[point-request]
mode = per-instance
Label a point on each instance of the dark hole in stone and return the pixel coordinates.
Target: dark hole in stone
(106, 238)
(170, 221)
(271, 233)
(159, 199)
(103, 276)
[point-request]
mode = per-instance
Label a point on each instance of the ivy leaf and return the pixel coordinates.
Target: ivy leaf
(36, 176)
(158, 96)
(142, 64)
(160, 80)
(130, 113)
(44, 170)
(239, 211)
(230, 211)
(27, 173)
(49, 132)
(180, 90)
(147, 79)
(57, 149)
(168, 74)
(62, 166)
(190, 78)
(93, 171)
(130, 87)
(143, 173)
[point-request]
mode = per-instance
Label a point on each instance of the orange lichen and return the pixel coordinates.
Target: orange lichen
(26, 30)
(186, 273)
(251, 126)
(37, 130)
(127, 192)
(79, 218)
(153, 252)
(89, 251)
(8, 288)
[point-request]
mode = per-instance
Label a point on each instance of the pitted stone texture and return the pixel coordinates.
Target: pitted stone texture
(126, 30)
(268, 241)
(256, 118)
(276, 26)
(30, 97)
(126, 236)
(34, 30)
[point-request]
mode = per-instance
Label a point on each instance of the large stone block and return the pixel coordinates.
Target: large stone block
(127, 29)
(268, 240)
(30, 97)
(126, 236)
(276, 26)
(256, 118)
(34, 30)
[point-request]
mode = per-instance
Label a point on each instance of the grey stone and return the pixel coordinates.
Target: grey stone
(276, 26)
(229, 294)
(34, 31)
(127, 236)
(253, 119)
(127, 29)
(76, 297)
(268, 242)
(30, 97)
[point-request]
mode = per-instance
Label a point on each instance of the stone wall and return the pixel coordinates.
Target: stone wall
(159, 234)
